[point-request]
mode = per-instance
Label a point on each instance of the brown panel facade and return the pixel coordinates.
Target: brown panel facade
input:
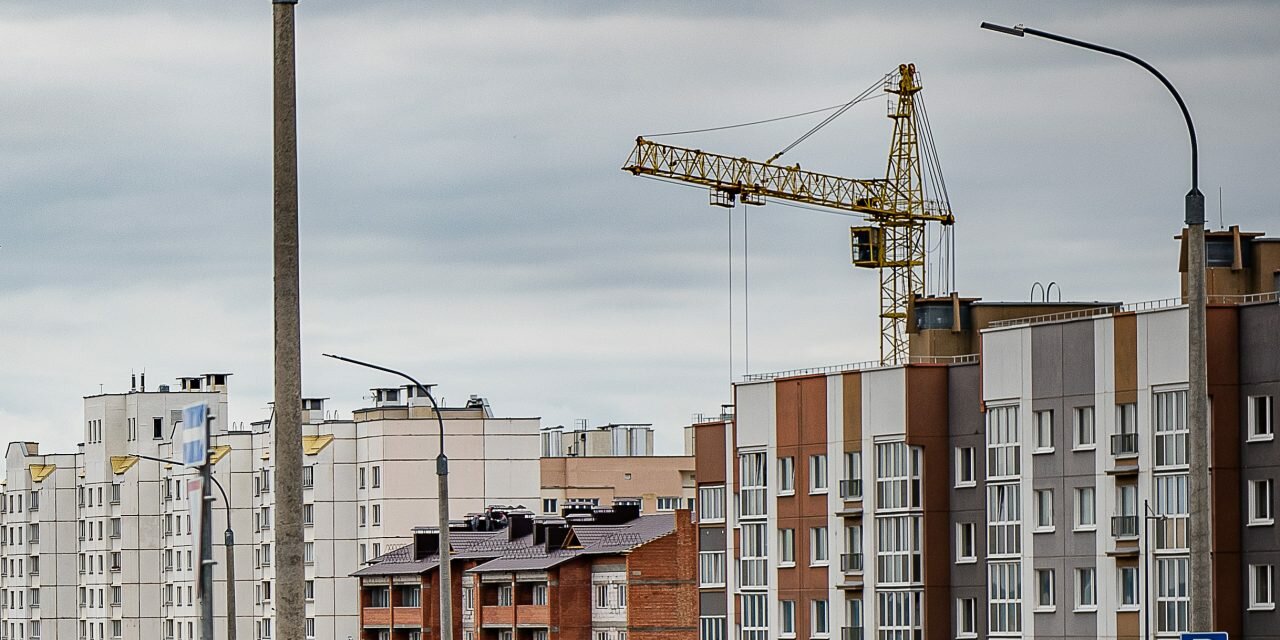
(1223, 359)
(927, 427)
(708, 449)
(1125, 349)
(852, 410)
(802, 433)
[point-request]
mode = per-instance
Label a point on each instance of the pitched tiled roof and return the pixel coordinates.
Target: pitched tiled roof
(499, 553)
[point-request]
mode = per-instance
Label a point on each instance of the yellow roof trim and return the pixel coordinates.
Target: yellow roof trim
(121, 464)
(219, 452)
(41, 471)
(312, 445)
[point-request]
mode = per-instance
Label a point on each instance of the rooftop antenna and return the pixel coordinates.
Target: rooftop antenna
(1221, 224)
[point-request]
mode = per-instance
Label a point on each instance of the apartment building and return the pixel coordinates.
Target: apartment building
(597, 573)
(117, 559)
(611, 463)
(1024, 475)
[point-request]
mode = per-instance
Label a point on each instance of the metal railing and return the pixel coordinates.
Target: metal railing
(857, 366)
(1124, 444)
(851, 488)
(851, 562)
(1124, 526)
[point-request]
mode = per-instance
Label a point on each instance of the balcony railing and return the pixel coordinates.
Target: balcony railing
(851, 633)
(851, 562)
(851, 488)
(1124, 526)
(1124, 444)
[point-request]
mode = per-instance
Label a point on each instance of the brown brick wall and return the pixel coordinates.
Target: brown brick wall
(662, 585)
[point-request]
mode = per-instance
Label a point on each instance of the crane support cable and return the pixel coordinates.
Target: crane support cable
(867, 94)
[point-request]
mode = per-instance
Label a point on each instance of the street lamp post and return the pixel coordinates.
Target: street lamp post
(1199, 522)
(206, 553)
(442, 476)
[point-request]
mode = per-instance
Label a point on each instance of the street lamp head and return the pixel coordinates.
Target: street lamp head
(1016, 30)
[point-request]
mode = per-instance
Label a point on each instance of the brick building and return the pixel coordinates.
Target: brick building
(592, 574)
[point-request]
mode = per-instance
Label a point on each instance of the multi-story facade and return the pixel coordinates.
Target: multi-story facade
(598, 573)
(1025, 475)
(110, 539)
(611, 463)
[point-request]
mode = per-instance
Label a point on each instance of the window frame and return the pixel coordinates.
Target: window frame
(1078, 428)
(1052, 605)
(1042, 432)
(1083, 594)
(1257, 487)
(786, 476)
(966, 467)
(1260, 416)
(818, 472)
(1079, 524)
(1255, 603)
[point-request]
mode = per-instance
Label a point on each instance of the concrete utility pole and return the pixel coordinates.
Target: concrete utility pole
(290, 618)
(1200, 522)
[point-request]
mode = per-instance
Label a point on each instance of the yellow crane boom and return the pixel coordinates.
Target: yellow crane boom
(896, 204)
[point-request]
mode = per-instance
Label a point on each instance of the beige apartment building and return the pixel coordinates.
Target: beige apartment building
(96, 544)
(614, 462)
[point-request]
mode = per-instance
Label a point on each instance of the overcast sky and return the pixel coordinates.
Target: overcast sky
(463, 212)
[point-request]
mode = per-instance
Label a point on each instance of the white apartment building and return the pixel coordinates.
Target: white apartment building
(97, 544)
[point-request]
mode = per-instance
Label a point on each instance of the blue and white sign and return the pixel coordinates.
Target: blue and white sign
(195, 449)
(1204, 635)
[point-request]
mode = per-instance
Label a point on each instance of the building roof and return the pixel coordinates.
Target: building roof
(499, 553)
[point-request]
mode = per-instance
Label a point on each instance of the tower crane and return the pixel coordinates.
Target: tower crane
(898, 206)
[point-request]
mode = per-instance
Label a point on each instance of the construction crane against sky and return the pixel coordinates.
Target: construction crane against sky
(898, 206)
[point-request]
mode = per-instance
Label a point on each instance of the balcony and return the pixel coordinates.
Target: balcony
(500, 615)
(1124, 444)
(533, 614)
(851, 633)
(851, 562)
(851, 488)
(1124, 526)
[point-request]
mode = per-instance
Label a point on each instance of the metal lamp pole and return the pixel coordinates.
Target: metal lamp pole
(1199, 525)
(442, 476)
(206, 552)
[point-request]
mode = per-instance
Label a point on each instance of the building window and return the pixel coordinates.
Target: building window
(966, 543)
(1044, 510)
(787, 547)
(851, 485)
(308, 514)
(1129, 587)
(1086, 509)
(966, 475)
(787, 618)
(818, 546)
(377, 515)
(362, 512)
(468, 599)
(504, 596)
(852, 548)
(754, 498)
(820, 618)
(379, 597)
(1170, 428)
(377, 476)
(711, 568)
(900, 614)
(549, 505)
(360, 476)
(309, 627)
(1046, 598)
(1044, 432)
(711, 504)
(786, 476)
(668, 503)
(1083, 429)
(308, 476)
(1172, 503)
(898, 550)
(711, 628)
(1262, 594)
(1261, 425)
(1086, 589)
(755, 616)
(818, 473)
(1004, 520)
(967, 618)
(1172, 599)
(754, 564)
(1260, 512)
(540, 592)
(898, 476)
(1004, 455)
(309, 589)
(309, 552)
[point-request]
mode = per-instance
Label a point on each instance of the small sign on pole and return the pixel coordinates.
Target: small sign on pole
(195, 449)
(1204, 635)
